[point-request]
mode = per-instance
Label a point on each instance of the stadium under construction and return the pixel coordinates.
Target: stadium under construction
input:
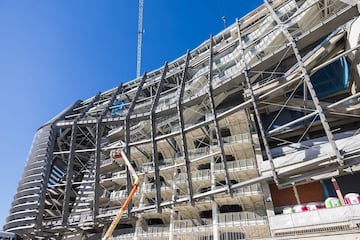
(255, 134)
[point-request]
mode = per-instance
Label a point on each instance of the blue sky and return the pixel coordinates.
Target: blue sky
(55, 52)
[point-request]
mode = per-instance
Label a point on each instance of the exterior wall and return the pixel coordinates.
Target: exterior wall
(193, 130)
(28, 201)
(311, 192)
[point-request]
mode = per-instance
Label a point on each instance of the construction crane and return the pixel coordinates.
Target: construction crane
(140, 33)
(117, 155)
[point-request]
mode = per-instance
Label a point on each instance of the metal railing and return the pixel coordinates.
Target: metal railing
(237, 165)
(150, 187)
(195, 176)
(190, 223)
(118, 195)
(106, 162)
(244, 164)
(120, 174)
(154, 231)
(149, 166)
(123, 234)
(315, 219)
(241, 218)
(109, 212)
(53, 221)
(106, 176)
(91, 195)
(80, 217)
(239, 138)
(243, 191)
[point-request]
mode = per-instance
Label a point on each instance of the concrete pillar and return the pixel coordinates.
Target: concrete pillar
(174, 196)
(269, 207)
(171, 228)
(296, 194)
(214, 206)
(145, 181)
(138, 225)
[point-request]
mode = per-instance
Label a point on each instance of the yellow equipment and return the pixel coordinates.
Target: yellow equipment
(117, 154)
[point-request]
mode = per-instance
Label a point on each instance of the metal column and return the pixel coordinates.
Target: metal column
(98, 133)
(153, 136)
(69, 174)
(214, 207)
(127, 132)
(47, 171)
(214, 114)
(128, 115)
(70, 164)
(180, 109)
(171, 226)
(308, 83)
(257, 114)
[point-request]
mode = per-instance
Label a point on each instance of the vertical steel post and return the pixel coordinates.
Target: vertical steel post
(47, 171)
(214, 114)
(214, 207)
(70, 163)
(98, 133)
(180, 109)
(128, 115)
(296, 194)
(253, 101)
(308, 83)
(153, 136)
(69, 174)
(127, 130)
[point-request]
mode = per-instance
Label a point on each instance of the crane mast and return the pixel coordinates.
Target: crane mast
(140, 32)
(118, 153)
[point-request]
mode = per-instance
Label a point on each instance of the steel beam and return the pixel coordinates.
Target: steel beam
(70, 163)
(279, 129)
(299, 178)
(308, 83)
(127, 118)
(50, 161)
(155, 154)
(47, 171)
(211, 193)
(69, 175)
(127, 134)
(215, 120)
(98, 134)
(180, 109)
(257, 114)
(198, 125)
